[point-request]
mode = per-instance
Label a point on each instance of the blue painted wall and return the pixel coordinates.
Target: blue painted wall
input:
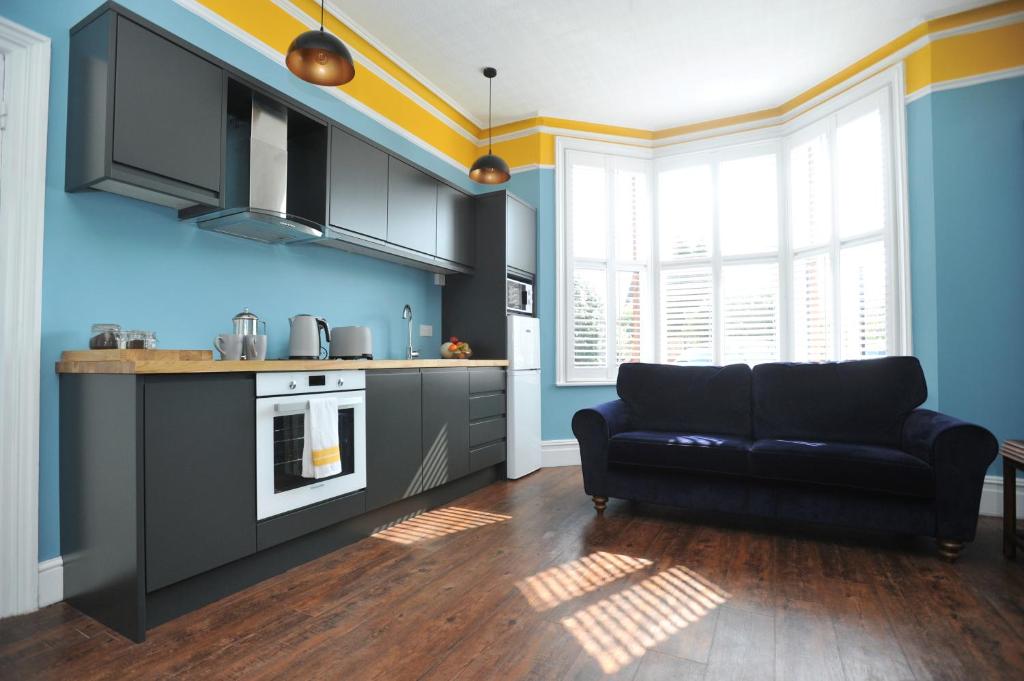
(113, 259)
(967, 194)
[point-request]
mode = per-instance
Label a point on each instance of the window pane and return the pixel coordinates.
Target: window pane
(810, 206)
(862, 285)
(750, 313)
(685, 203)
(588, 211)
(686, 319)
(628, 299)
(748, 205)
(860, 181)
(632, 216)
(812, 309)
(589, 319)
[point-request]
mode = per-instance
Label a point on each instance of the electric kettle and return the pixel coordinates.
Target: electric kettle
(304, 342)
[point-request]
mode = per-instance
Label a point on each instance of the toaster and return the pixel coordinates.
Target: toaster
(351, 342)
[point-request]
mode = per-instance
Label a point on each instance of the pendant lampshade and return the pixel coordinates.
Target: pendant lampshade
(489, 168)
(320, 58)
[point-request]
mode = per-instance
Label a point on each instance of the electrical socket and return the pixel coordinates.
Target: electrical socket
(426, 330)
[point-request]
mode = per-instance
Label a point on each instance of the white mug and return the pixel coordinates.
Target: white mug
(229, 345)
(256, 347)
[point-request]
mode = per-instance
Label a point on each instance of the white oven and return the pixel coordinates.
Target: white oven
(282, 411)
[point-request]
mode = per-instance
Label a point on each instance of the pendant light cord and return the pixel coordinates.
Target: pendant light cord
(321, 15)
(490, 128)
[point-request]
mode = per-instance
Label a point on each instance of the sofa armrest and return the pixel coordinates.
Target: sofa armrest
(960, 454)
(593, 429)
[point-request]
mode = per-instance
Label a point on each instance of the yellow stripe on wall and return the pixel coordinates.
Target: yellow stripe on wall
(381, 60)
(962, 56)
(271, 25)
(944, 59)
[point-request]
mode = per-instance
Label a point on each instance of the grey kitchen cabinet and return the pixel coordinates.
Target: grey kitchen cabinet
(521, 236)
(200, 474)
(394, 451)
(445, 397)
(359, 186)
(473, 305)
(456, 233)
(146, 116)
(412, 208)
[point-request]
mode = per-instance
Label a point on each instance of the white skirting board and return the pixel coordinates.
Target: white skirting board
(51, 581)
(559, 453)
(992, 497)
(567, 453)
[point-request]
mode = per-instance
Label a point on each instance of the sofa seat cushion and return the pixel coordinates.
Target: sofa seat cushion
(682, 451)
(878, 469)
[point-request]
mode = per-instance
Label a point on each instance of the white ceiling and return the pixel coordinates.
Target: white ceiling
(650, 64)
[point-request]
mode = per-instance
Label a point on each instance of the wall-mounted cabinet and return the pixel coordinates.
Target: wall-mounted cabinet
(520, 236)
(145, 116)
(456, 228)
(386, 208)
(412, 208)
(359, 186)
(158, 120)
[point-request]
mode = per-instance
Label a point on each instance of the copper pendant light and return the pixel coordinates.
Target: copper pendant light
(320, 58)
(489, 169)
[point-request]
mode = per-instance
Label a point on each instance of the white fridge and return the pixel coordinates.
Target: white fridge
(523, 456)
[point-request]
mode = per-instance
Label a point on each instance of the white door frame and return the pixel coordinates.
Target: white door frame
(22, 188)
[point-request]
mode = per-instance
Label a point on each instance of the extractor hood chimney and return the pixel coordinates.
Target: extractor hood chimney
(256, 180)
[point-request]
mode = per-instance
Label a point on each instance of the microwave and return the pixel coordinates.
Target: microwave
(518, 296)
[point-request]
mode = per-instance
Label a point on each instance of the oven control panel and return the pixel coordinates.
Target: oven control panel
(306, 382)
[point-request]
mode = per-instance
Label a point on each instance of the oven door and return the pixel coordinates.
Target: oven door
(280, 432)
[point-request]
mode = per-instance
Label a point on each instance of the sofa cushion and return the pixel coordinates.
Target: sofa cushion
(687, 399)
(864, 401)
(681, 451)
(879, 469)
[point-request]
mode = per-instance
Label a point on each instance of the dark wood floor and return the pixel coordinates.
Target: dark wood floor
(521, 581)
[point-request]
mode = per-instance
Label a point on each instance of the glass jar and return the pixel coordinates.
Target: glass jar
(104, 336)
(136, 340)
(150, 340)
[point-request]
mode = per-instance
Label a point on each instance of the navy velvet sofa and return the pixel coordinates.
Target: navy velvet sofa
(840, 443)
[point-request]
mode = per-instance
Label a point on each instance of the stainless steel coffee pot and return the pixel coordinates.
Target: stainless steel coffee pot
(245, 323)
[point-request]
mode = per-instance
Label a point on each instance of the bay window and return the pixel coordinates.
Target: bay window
(788, 246)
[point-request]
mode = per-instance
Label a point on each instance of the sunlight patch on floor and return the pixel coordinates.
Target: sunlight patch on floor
(618, 629)
(562, 583)
(437, 523)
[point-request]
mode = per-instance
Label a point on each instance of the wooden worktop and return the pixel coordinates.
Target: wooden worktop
(202, 362)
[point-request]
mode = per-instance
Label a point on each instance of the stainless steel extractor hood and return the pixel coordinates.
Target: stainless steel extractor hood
(256, 180)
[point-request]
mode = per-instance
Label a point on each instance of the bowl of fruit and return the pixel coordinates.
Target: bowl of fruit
(456, 349)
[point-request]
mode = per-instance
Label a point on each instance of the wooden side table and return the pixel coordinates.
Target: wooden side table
(1013, 460)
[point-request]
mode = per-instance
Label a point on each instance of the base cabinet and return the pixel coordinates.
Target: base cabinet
(445, 425)
(200, 477)
(393, 442)
(158, 482)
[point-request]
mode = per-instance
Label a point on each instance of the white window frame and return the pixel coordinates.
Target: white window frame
(888, 86)
(567, 263)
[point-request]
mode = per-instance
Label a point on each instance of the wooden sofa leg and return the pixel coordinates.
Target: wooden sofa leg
(949, 550)
(600, 503)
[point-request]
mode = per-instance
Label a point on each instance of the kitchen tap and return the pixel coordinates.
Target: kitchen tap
(410, 353)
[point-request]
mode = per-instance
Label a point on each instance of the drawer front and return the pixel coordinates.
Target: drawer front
(486, 406)
(487, 455)
(483, 432)
(486, 380)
